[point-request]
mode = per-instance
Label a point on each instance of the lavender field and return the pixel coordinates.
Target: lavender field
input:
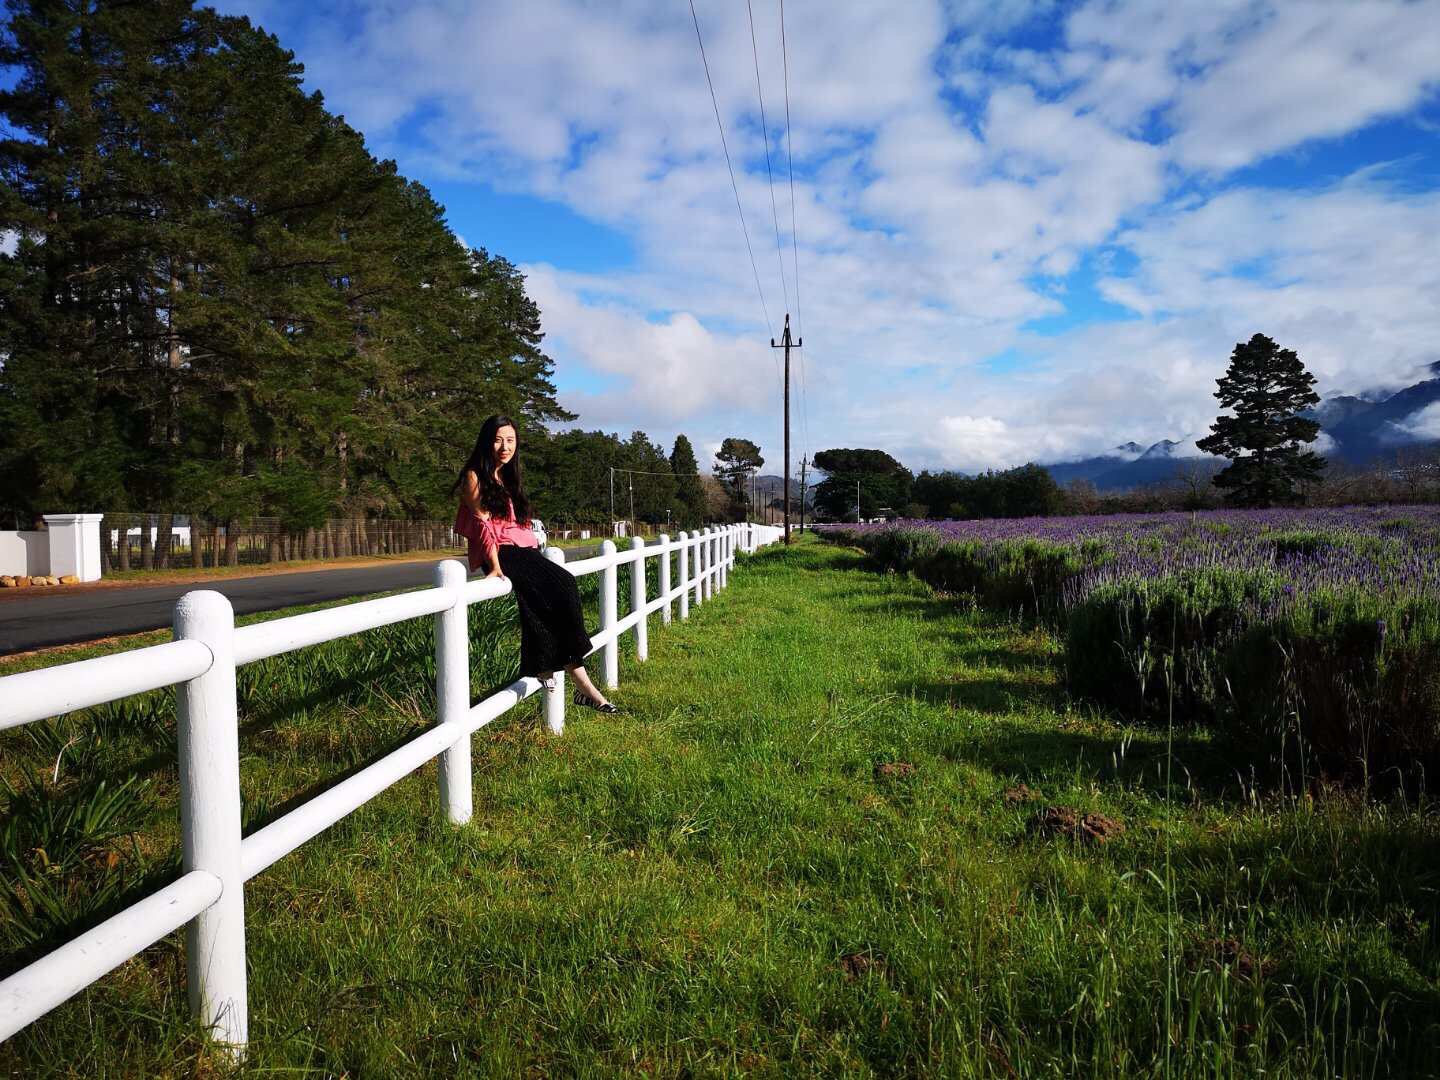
(1313, 633)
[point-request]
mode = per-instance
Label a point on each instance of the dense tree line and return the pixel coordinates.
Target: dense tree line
(219, 301)
(1027, 491)
(879, 482)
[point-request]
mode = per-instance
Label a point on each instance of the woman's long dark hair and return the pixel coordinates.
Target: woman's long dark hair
(493, 497)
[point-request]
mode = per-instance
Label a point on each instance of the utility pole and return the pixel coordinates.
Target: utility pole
(612, 500)
(804, 463)
(787, 344)
(857, 502)
(631, 530)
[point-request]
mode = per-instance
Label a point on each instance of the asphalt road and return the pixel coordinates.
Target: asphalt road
(42, 619)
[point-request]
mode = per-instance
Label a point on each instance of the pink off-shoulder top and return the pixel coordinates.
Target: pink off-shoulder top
(481, 533)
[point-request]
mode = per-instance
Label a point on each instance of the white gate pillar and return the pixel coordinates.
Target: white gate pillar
(74, 545)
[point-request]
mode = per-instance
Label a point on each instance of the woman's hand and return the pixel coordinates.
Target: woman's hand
(497, 572)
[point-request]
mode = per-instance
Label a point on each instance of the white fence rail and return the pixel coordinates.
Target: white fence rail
(209, 896)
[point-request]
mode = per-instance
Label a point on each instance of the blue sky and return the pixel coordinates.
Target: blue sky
(1025, 230)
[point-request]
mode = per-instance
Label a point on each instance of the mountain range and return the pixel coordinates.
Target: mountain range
(1356, 429)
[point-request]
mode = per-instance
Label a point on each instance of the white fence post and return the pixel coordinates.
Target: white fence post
(665, 612)
(725, 565)
(555, 698)
(710, 560)
(637, 600)
(700, 542)
(719, 559)
(611, 648)
(452, 692)
(209, 752)
(684, 574)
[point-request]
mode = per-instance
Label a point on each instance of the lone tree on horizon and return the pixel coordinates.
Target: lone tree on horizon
(734, 462)
(1268, 388)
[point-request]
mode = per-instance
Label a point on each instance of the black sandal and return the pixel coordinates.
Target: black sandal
(582, 698)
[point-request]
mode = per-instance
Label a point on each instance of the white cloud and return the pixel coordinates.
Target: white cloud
(930, 232)
(1310, 70)
(1423, 424)
(1237, 80)
(672, 369)
(1345, 276)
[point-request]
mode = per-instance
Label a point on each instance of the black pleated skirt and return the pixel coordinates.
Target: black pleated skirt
(552, 626)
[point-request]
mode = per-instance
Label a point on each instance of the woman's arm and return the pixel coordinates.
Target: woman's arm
(470, 496)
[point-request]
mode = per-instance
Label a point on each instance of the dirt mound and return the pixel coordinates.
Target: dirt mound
(1056, 821)
(858, 965)
(894, 770)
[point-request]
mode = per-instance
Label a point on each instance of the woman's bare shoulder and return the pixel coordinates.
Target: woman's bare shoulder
(470, 493)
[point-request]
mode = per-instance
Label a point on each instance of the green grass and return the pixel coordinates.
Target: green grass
(719, 882)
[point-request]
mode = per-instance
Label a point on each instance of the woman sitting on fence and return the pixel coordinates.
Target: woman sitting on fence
(494, 518)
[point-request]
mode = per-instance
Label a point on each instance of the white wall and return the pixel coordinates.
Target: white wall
(24, 554)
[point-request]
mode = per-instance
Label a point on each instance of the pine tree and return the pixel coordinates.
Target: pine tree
(735, 461)
(1267, 388)
(71, 329)
(219, 301)
(689, 491)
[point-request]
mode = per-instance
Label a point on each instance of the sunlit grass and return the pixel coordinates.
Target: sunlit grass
(721, 880)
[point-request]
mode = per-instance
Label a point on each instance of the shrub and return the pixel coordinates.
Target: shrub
(1300, 543)
(1355, 675)
(1145, 646)
(1028, 576)
(901, 549)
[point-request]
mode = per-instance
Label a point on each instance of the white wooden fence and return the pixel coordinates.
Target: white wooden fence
(209, 896)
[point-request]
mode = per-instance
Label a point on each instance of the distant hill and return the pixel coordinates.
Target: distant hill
(1131, 466)
(773, 487)
(1361, 429)
(1364, 430)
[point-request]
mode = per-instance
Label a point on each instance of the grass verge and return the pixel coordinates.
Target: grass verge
(815, 842)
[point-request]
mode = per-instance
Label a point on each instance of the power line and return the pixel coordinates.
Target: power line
(643, 472)
(794, 236)
(790, 160)
(765, 138)
(725, 146)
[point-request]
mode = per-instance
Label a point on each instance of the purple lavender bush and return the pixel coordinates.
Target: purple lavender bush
(1316, 629)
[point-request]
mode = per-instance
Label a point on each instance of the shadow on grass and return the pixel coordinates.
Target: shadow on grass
(989, 693)
(1197, 767)
(50, 925)
(1009, 667)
